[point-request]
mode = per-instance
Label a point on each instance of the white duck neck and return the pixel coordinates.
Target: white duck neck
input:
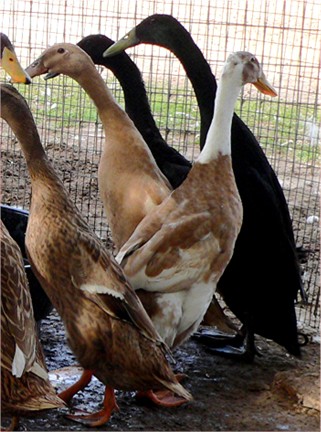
(218, 140)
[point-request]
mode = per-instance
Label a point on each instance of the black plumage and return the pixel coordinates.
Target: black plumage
(173, 165)
(261, 283)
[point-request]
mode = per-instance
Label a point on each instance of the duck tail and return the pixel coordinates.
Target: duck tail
(48, 401)
(39, 403)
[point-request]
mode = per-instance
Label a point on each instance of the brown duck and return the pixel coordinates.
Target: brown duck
(128, 190)
(25, 386)
(108, 329)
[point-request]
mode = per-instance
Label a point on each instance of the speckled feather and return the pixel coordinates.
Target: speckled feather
(16, 307)
(108, 329)
(30, 390)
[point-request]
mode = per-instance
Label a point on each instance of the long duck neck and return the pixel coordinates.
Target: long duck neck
(136, 102)
(110, 113)
(218, 140)
(181, 44)
(16, 113)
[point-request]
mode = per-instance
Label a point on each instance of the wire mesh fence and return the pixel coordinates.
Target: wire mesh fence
(286, 37)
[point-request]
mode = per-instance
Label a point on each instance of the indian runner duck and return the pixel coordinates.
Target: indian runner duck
(25, 386)
(128, 191)
(16, 220)
(172, 164)
(179, 251)
(10, 62)
(108, 329)
(262, 280)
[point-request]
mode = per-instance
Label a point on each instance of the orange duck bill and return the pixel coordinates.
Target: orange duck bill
(264, 86)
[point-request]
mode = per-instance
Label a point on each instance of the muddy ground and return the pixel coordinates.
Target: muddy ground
(275, 392)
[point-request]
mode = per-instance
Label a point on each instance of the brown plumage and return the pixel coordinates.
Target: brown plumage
(128, 190)
(108, 329)
(25, 385)
(179, 251)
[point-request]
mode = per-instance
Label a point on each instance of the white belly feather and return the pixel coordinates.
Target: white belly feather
(183, 310)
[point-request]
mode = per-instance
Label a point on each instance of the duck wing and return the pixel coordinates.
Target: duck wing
(17, 319)
(170, 248)
(104, 283)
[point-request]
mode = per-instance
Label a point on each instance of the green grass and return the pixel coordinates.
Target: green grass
(284, 125)
(60, 99)
(176, 110)
(276, 124)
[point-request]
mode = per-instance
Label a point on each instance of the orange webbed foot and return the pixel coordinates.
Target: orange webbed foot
(70, 392)
(100, 417)
(164, 398)
(13, 425)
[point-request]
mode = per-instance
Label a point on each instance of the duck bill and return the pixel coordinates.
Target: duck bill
(12, 66)
(265, 87)
(51, 75)
(37, 68)
(129, 40)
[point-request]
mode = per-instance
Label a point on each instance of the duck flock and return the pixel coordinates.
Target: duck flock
(183, 231)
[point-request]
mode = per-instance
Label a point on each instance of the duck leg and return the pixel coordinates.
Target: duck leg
(13, 424)
(240, 346)
(70, 392)
(165, 398)
(224, 337)
(223, 332)
(100, 417)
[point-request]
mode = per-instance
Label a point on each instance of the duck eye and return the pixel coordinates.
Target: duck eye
(253, 59)
(60, 50)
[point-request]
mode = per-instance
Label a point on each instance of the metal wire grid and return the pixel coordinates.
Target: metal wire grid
(285, 36)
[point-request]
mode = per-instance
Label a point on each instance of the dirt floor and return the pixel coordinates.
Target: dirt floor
(275, 392)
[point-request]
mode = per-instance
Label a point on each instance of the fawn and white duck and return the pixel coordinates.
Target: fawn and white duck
(266, 239)
(179, 251)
